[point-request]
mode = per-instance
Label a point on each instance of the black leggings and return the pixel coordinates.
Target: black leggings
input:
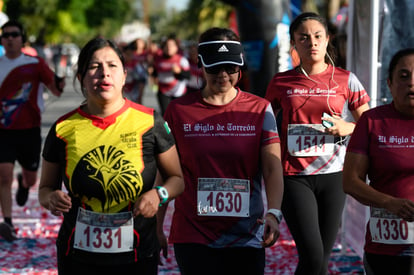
(203, 260)
(147, 266)
(377, 264)
(312, 207)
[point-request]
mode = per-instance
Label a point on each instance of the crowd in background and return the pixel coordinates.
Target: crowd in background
(143, 57)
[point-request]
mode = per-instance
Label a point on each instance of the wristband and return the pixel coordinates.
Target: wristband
(162, 193)
(277, 213)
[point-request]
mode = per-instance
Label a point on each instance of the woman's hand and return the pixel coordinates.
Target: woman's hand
(403, 208)
(162, 239)
(271, 230)
(340, 127)
(176, 69)
(147, 204)
(59, 202)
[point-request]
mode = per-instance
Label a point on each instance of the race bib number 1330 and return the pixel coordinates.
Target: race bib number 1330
(389, 229)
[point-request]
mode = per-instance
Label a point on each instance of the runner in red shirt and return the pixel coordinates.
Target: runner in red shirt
(313, 144)
(171, 69)
(196, 80)
(21, 80)
(382, 148)
(136, 63)
(228, 143)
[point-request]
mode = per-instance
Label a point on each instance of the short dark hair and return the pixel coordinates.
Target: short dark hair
(13, 23)
(396, 57)
(89, 49)
(172, 37)
(304, 17)
(214, 34)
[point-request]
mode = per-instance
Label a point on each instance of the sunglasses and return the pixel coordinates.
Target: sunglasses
(12, 34)
(228, 68)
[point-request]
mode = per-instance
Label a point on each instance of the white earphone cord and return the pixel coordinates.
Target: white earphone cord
(327, 85)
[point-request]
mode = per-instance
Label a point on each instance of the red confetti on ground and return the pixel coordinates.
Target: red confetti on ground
(35, 251)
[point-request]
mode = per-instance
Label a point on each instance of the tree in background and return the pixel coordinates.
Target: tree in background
(76, 21)
(195, 19)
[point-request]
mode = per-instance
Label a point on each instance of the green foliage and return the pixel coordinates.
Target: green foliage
(199, 16)
(213, 14)
(76, 21)
(59, 21)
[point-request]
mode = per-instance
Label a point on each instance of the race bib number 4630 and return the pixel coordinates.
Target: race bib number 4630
(104, 233)
(223, 197)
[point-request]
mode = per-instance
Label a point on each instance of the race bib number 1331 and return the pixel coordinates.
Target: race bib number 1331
(104, 233)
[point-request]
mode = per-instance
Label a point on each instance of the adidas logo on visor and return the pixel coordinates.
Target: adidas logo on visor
(223, 49)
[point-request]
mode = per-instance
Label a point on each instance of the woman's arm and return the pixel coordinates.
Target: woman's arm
(273, 181)
(50, 195)
(272, 174)
(354, 184)
(344, 128)
(175, 186)
(170, 170)
(357, 113)
(354, 181)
